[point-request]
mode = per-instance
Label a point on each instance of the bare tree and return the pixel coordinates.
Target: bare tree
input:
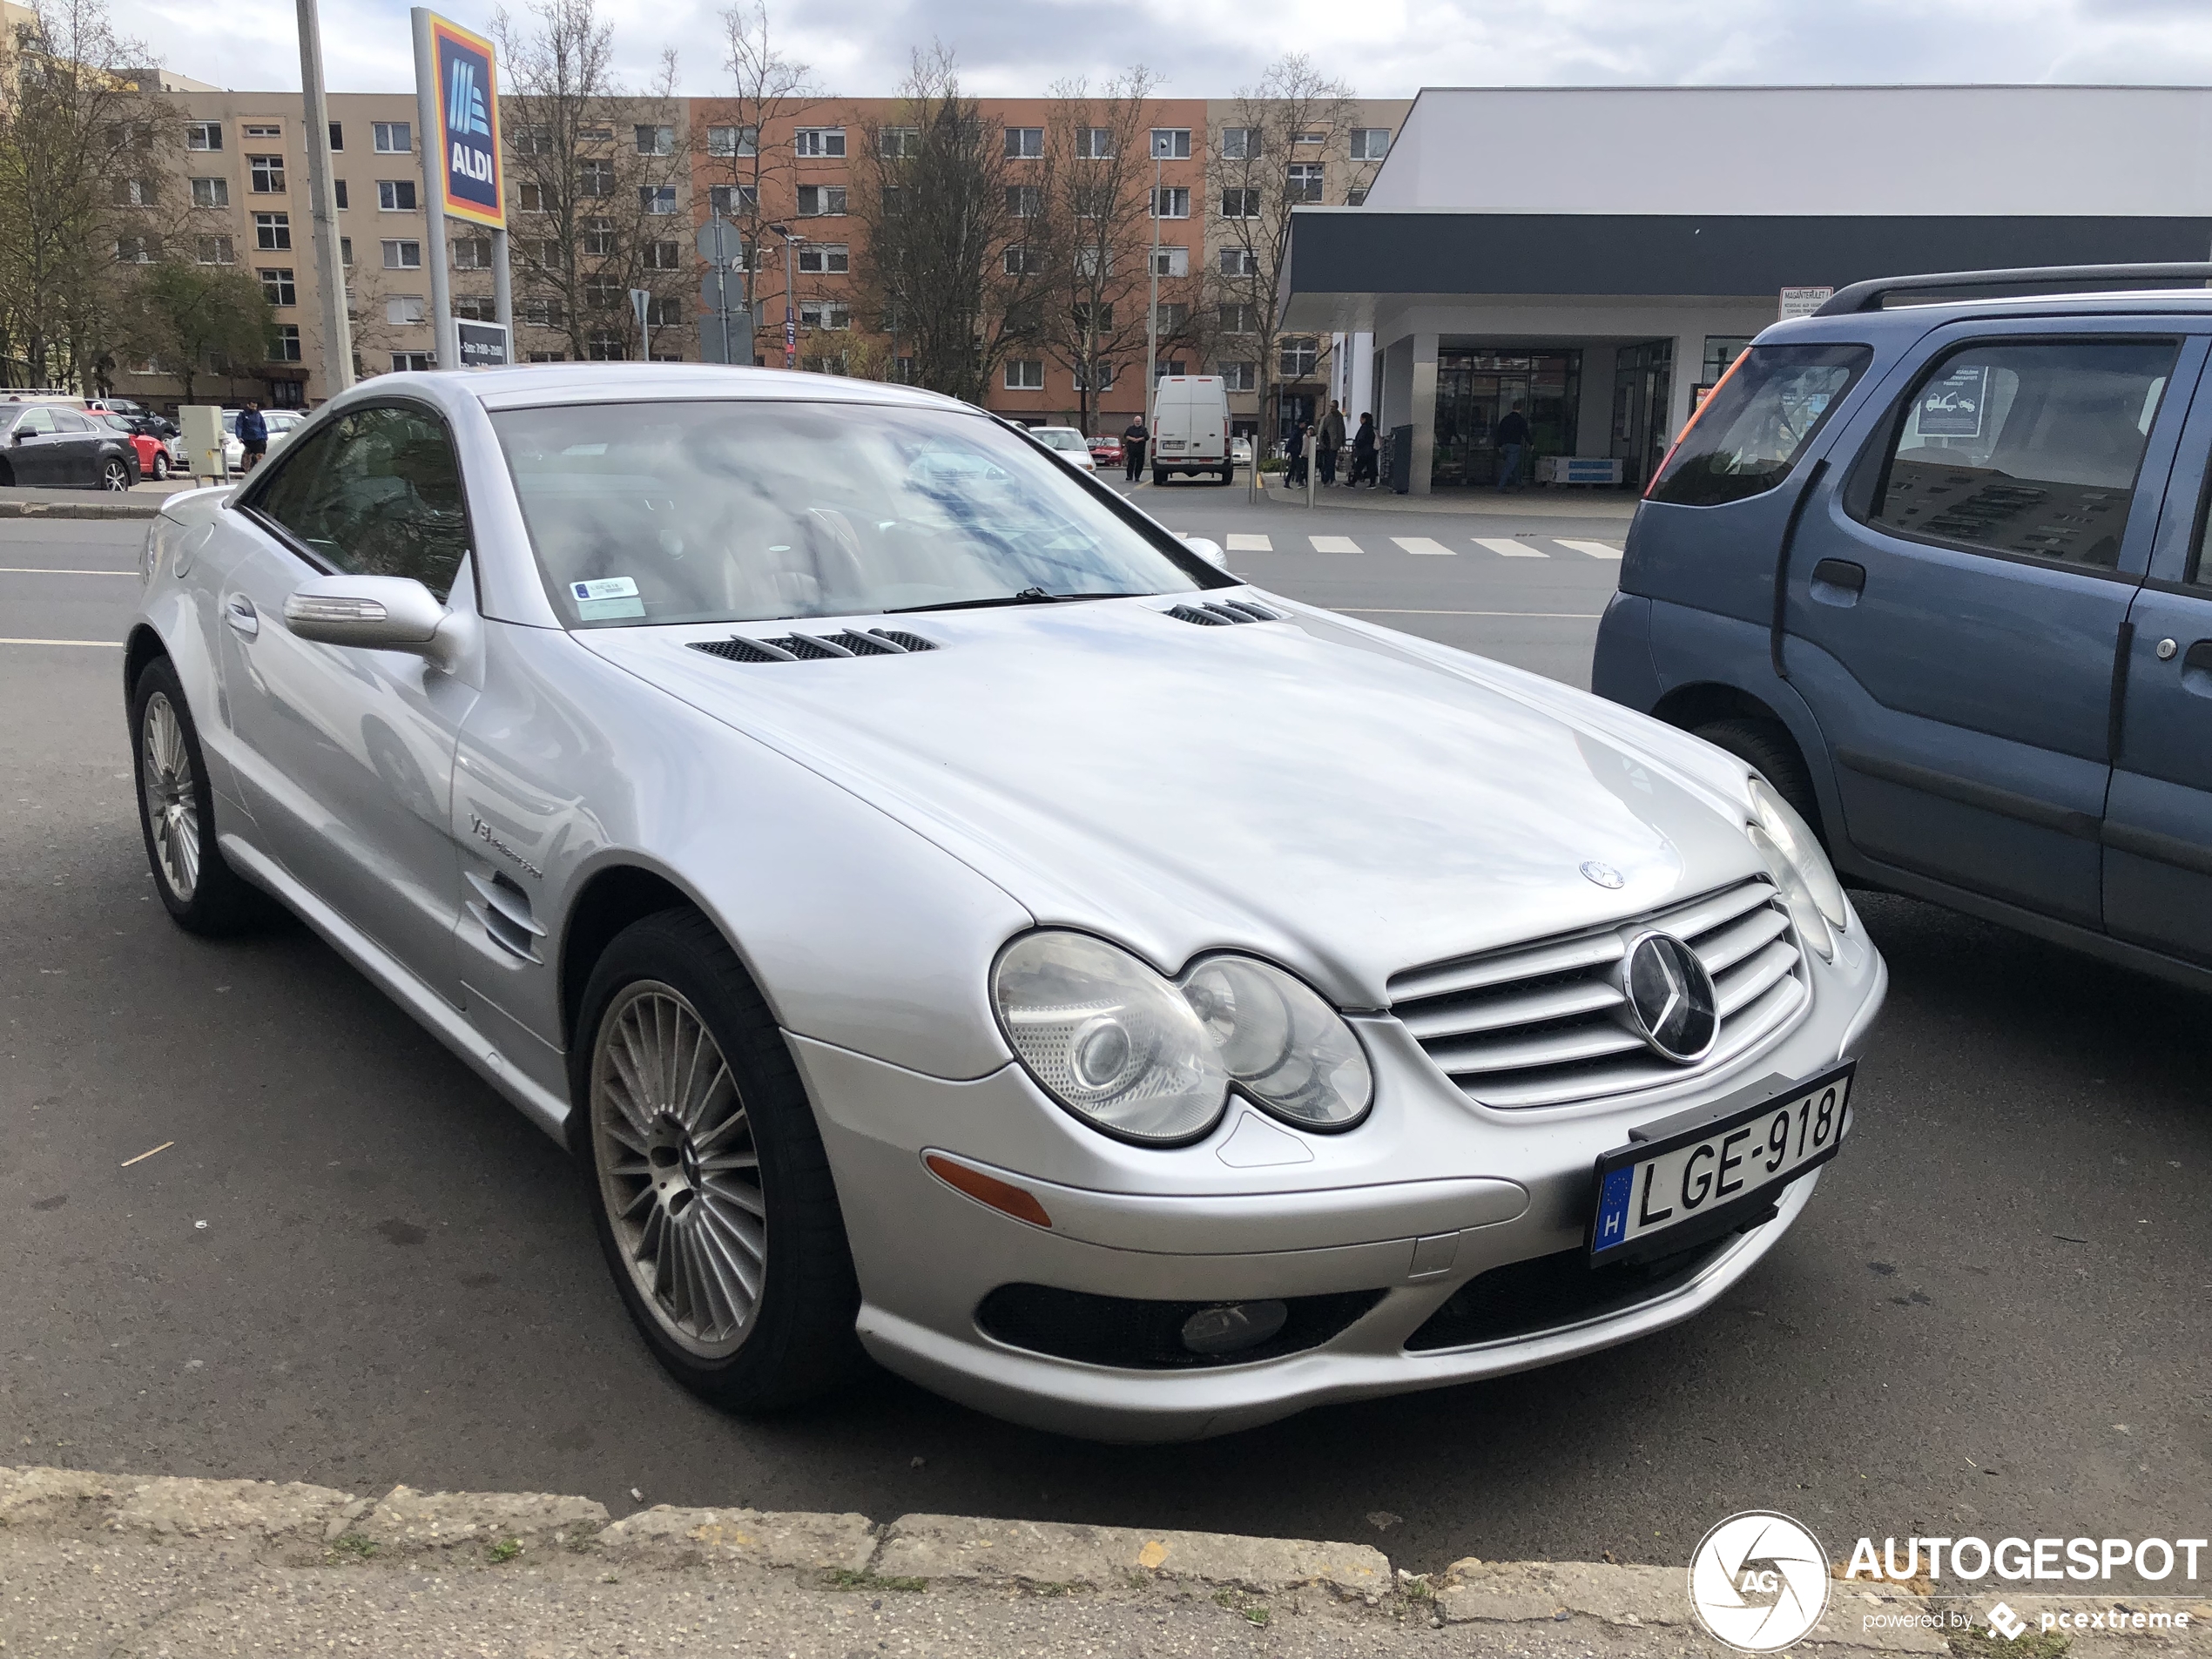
(598, 176)
(1264, 161)
(754, 148)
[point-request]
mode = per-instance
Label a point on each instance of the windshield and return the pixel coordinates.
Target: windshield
(753, 511)
(1058, 437)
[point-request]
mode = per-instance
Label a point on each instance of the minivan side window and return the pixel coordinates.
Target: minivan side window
(1757, 421)
(2023, 448)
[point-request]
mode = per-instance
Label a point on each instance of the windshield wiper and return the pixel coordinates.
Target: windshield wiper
(1026, 597)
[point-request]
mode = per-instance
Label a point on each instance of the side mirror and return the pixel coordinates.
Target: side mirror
(1209, 551)
(376, 613)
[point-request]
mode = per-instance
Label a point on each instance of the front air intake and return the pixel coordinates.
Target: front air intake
(797, 648)
(1223, 613)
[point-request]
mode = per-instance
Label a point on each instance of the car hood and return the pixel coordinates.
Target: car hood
(1348, 800)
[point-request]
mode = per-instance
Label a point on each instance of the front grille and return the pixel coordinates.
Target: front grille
(1545, 1292)
(1547, 1024)
(1146, 1335)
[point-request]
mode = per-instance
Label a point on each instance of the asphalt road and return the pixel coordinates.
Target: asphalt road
(353, 1265)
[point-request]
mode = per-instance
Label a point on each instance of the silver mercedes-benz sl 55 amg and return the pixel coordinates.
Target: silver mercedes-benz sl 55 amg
(954, 921)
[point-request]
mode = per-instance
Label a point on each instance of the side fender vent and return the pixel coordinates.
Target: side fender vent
(796, 648)
(1223, 612)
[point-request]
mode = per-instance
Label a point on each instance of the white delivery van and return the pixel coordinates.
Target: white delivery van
(1191, 427)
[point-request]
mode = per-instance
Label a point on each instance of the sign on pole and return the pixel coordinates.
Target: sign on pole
(1803, 302)
(484, 344)
(468, 178)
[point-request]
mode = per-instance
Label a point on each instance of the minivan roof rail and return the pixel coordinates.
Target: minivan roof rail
(1869, 295)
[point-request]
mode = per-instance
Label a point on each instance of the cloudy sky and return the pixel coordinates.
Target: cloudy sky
(1202, 48)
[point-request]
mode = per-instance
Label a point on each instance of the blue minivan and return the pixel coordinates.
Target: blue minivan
(1938, 569)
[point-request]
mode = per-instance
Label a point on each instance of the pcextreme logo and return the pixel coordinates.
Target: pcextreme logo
(1759, 1581)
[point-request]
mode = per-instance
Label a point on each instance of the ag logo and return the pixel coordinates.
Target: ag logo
(1759, 1581)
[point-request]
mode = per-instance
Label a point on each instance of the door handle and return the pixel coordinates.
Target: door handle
(239, 611)
(2196, 668)
(1838, 582)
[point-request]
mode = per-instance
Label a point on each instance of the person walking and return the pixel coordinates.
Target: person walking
(1363, 453)
(252, 436)
(1332, 441)
(1134, 438)
(1298, 437)
(1511, 437)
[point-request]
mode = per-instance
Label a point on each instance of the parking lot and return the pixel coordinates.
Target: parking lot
(350, 1264)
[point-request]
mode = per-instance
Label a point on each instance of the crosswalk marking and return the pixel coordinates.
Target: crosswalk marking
(1251, 544)
(1595, 549)
(1424, 544)
(1334, 544)
(1513, 547)
(1507, 549)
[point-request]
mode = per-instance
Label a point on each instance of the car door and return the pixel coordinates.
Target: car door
(1954, 608)
(80, 444)
(35, 452)
(346, 754)
(2158, 816)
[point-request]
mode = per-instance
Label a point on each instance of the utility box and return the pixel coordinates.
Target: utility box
(201, 426)
(1400, 456)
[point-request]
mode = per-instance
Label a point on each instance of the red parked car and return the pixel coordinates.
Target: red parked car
(1106, 452)
(153, 453)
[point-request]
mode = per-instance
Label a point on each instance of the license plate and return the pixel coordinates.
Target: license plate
(1705, 1178)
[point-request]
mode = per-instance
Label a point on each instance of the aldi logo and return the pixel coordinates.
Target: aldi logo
(468, 182)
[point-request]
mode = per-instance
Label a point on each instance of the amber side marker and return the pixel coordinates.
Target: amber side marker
(988, 1189)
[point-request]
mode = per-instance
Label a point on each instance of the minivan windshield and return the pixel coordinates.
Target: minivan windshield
(752, 510)
(1757, 420)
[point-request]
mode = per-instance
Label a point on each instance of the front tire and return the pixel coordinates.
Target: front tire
(709, 1185)
(1767, 750)
(199, 889)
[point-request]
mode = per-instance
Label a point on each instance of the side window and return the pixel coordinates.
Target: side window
(2025, 448)
(375, 493)
(71, 421)
(1755, 423)
(36, 422)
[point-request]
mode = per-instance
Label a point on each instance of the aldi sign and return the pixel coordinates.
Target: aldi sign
(468, 91)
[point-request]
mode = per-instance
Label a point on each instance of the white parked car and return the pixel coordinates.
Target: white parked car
(282, 423)
(951, 919)
(1068, 443)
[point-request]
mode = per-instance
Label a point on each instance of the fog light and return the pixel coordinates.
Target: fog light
(1231, 1327)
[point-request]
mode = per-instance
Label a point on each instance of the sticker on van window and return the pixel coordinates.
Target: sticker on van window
(606, 597)
(1952, 406)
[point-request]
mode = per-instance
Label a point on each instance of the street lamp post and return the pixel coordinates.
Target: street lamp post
(792, 240)
(330, 268)
(1152, 299)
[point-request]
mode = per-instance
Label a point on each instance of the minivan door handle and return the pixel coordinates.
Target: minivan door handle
(1838, 582)
(239, 611)
(2196, 668)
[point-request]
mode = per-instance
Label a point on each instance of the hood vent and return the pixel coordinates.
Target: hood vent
(795, 648)
(1221, 613)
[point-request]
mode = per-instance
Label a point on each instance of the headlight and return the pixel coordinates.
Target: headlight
(1815, 897)
(1150, 1060)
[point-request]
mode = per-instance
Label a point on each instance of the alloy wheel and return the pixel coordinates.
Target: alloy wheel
(113, 476)
(172, 801)
(678, 1170)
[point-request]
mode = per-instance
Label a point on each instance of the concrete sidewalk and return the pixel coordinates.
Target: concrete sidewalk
(1563, 502)
(119, 1566)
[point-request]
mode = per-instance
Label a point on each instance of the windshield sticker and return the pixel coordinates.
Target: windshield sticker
(605, 597)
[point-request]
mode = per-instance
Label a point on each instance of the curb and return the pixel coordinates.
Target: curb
(302, 1525)
(20, 508)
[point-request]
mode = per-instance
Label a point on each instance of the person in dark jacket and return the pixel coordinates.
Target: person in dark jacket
(1362, 452)
(1134, 438)
(252, 436)
(1332, 441)
(1511, 437)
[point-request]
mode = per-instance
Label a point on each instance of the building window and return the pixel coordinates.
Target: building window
(541, 313)
(210, 192)
(897, 144)
(338, 188)
(606, 347)
(1240, 144)
(265, 175)
(1024, 201)
(273, 232)
(1095, 143)
(1171, 315)
(1721, 350)
(602, 292)
(402, 310)
(1171, 261)
(1020, 261)
(531, 198)
(549, 357)
(533, 141)
(599, 237)
(1369, 143)
(1169, 365)
(1239, 262)
(596, 177)
(393, 138)
(1306, 182)
(1170, 143)
(594, 135)
(1355, 198)
(662, 256)
(1093, 262)
(346, 250)
(396, 195)
(215, 250)
(655, 141)
(1102, 373)
(827, 258)
(1311, 138)
(284, 343)
(1024, 144)
(472, 252)
(734, 201)
(475, 307)
(657, 198)
(818, 141)
(412, 362)
(664, 311)
(1301, 355)
(821, 201)
(824, 314)
(402, 256)
(1171, 201)
(1240, 319)
(133, 250)
(262, 130)
(337, 137)
(1240, 204)
(733, 141)
(277, 286)
(203, 135)
(134, 193)
(1240, 377)
(1025, 375)
(1100, 317)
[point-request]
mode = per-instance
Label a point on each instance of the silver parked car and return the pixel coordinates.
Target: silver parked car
(955, 921)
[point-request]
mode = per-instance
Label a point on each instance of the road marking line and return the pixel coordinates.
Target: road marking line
(1251, 544)
(1510, 550)
(1377, 611)
(1334, 544)
(143, 1157)
(40, 570)
(1425, 544)
(104, 645)
(1595, 549)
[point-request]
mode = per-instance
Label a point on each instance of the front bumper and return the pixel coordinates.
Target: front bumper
(1412, 1232)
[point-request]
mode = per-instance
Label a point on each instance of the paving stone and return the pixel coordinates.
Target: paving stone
(952, 1546)
(665, 1534)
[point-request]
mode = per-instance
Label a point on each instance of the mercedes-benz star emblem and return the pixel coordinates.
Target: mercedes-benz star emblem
(1671, 998)
(1604, 874)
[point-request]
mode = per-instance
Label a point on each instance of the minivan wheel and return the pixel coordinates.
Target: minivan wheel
(114, 476)
(199, 889)
(1767, 748)
(709, 1185)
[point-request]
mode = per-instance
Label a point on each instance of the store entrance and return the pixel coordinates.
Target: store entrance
(1474, 389)
(1643, 384)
